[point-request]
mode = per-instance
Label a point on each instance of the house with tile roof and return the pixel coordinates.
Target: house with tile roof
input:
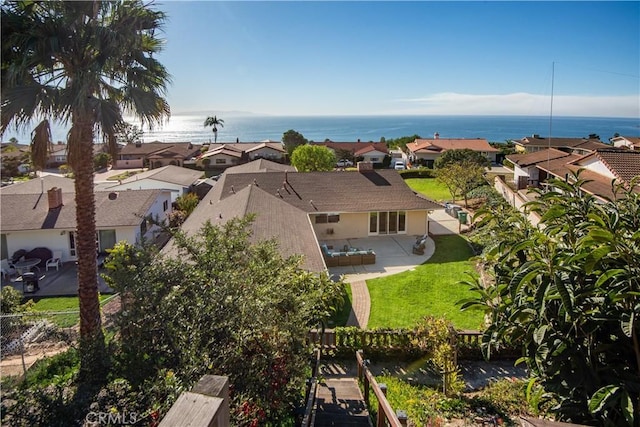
(33, 215)
(299, 209)
(175, 179)
(533, 143)
(630, 142)
(373, 152)
(156, 154)
(600, 169)
(426, 151)
(224, 155)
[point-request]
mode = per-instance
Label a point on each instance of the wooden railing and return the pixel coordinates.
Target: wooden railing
(385, 415)
(312, 388)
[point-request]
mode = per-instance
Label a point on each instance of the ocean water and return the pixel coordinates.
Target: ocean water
(250, 128)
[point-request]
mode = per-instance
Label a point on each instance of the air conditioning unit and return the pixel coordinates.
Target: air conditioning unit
(329, 230)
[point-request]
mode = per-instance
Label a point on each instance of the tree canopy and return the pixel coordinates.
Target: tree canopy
(222, 306)
(293, 139)
(460, 156)
(460, 177)
(309, 158)
(568, 292)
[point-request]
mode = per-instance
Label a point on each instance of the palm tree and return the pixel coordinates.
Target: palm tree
(214, 122)
(84, 64)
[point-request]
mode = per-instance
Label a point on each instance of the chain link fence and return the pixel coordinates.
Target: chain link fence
(29, 336)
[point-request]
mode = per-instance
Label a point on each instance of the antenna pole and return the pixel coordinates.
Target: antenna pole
(553, 72)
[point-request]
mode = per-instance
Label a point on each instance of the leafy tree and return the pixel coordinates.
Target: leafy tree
(126, 133)
(214, 122)
(222, 306)
(85, 63)
(462, 156)
(309, 158)
(187, 203)
(292, 140)
(400, 142)
(569, 293)
(101, 161)
(460, 178)
(341, 153)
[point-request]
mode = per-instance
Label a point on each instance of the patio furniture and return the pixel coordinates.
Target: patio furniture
(26, 265)
(30, 283)
(353, 256)
(7, 268)
(42, 253)
(54, 261)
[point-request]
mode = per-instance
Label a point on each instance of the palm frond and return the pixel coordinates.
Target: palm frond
(41, 144)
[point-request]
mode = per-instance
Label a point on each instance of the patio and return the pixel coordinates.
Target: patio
(394, 254)
(62, 282)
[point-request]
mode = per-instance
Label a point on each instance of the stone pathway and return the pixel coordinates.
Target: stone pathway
(360, 306)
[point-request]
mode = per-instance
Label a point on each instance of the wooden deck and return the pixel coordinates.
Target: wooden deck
(340, 403)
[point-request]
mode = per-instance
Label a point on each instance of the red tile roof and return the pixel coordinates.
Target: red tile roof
(624, 164)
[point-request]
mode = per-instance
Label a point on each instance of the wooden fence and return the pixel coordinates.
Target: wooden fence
(385, 415)
(312, 388)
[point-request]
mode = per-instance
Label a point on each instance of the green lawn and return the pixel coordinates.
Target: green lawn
(62, 304)
(402, 299)
(429, 187)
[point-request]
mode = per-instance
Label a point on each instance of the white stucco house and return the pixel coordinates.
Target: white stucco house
(32, 218)
(175, 179)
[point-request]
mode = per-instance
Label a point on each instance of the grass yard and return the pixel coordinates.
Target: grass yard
(431, 289)
(62, 304)
(429, 187)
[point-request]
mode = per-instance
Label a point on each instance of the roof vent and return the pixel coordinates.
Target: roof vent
(113, 195)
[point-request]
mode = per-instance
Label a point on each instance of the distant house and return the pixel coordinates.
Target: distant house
(630, 142)
(531, 144)
(601, 168)
(426, 151)
(175, 179)
(373, 152)
(34, 218)
(224, 155)
(260, 165)
(57, 155)
(156, 154)
(298, 209)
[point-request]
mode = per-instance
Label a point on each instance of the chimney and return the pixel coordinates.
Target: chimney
(436, 135)
(358, 139)
(54, 196)
(365, 167)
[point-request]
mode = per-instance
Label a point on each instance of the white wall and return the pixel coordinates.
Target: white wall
(152, 184)
(128, 164)
(595, 165)
(267, 153)
(28, 240)
(156, 211)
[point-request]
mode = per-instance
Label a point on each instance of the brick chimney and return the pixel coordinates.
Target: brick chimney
(55, 198)
(365, 166)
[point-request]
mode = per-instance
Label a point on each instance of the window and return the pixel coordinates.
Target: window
(221, 161)
(165, 205)
(106, 240)
(392, 222)
(325, 218)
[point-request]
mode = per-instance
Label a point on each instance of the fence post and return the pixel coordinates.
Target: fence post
(381, 419)
(402, 417)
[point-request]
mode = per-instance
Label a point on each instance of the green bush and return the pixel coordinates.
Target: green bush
(420, 172)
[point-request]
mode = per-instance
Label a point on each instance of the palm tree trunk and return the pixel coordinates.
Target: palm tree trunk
(91, 335)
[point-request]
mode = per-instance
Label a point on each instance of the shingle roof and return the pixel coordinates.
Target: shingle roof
(354, 147)
(275, 219)
(380, 189)
(559, 142)
(260, 165)
(530, 159)
(443, 144)
(31, 211)
(182, 149)
(171, 174)
(39, 185)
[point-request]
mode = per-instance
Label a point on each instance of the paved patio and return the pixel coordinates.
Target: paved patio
(63, 282)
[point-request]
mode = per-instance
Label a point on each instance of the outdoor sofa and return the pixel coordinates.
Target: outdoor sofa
(352, 256)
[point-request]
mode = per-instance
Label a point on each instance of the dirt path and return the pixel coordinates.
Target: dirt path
(12, 365)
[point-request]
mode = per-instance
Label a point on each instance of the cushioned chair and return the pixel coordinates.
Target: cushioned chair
(55, 260)
(7, 268)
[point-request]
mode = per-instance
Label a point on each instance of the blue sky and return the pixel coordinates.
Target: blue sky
(351, 58)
